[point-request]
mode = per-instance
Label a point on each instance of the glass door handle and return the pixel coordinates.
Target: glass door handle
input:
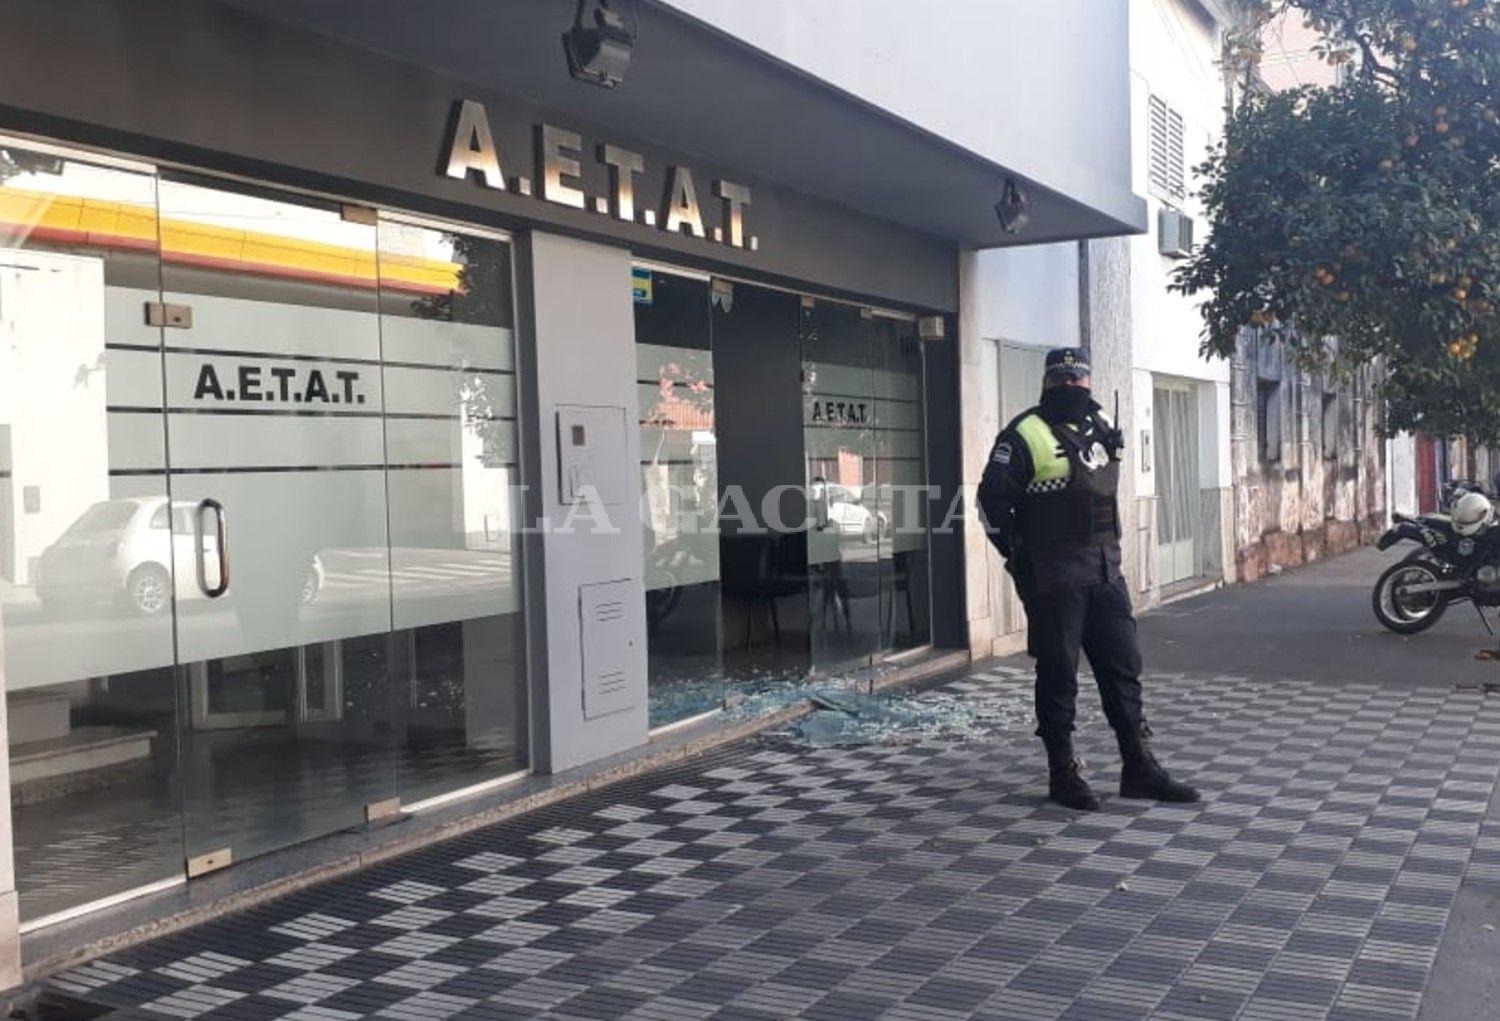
(221, 545)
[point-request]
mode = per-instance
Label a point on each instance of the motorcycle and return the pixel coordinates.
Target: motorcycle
(1447, 568)
(1456, 488)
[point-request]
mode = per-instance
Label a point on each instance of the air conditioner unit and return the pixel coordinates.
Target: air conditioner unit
(1174, 234)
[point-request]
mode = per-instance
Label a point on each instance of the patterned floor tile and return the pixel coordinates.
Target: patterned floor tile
(921, 882)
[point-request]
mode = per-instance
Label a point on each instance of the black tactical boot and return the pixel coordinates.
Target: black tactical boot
(1065, 782)
(1142, 776)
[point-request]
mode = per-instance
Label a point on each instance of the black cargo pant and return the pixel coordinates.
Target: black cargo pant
(1097, 619)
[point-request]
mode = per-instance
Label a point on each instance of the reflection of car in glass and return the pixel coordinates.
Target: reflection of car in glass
(852, 515)
(129, 551)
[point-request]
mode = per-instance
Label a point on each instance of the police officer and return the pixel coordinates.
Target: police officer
(1049, 498)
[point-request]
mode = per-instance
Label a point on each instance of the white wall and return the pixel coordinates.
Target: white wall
(1024, 296)
(1172, 55)
(1174, 47)
(1218, 465)
(1030, 84)
(1401, 474)
(1027, 295)
(52, 393)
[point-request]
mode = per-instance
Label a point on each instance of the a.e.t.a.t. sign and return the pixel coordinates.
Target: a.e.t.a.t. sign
(473, 154)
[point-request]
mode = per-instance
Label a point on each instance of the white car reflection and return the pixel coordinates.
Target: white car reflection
(130, 551)
(848, 511)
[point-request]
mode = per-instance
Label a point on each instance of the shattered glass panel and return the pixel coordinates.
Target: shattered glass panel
(850, 719)
(847, 711)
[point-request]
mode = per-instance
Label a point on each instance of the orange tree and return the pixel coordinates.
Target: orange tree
(1367, 210)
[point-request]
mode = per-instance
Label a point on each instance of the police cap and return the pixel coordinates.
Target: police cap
(1072, 362)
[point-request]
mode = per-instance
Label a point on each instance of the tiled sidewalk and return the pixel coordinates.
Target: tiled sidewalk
(769, 882)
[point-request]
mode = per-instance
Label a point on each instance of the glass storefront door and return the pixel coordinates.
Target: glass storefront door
(803, 419)
(259, 558)
(90, 541)
(454, 489)
(680, 490)
(275, 403)
(901, 499)
(866, 475)
(369, 643)
(763, 551)
(847, 578)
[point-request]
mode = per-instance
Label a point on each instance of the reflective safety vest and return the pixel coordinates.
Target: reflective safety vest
(1071, 499)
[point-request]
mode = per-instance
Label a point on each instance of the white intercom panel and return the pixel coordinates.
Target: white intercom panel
(592, 456)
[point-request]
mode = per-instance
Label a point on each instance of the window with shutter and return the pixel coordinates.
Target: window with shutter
(1166, 133)
(1330, 438)
(1268, 420)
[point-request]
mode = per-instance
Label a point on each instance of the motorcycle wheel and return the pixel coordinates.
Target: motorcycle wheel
(1408, 614)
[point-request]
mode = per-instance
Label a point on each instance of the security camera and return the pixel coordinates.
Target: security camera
(599, 43)
(1014, 208)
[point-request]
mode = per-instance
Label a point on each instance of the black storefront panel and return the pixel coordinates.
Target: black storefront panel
(222, 89)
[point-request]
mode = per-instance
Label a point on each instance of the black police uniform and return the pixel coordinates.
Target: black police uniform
(1058, 526)
(1062, 544)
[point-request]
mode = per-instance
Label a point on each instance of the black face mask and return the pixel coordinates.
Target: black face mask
(1066, 403)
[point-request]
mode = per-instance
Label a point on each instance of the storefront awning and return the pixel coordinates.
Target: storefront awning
(701, 91)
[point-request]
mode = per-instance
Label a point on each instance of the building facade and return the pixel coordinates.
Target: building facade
(1419, 466)
(1309, 460)
(1111, 295)
(1184, 509)
(1313, 475)
(386, 414)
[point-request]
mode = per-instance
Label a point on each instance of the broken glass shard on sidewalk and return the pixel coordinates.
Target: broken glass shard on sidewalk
(843, 718)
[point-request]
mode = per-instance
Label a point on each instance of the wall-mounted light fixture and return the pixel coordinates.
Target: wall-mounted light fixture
(1014, 208)
(601, 39)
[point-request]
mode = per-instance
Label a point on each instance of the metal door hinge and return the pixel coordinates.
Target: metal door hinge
(359, 214)
(380, 811)
(210, 862)
(161, 313)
